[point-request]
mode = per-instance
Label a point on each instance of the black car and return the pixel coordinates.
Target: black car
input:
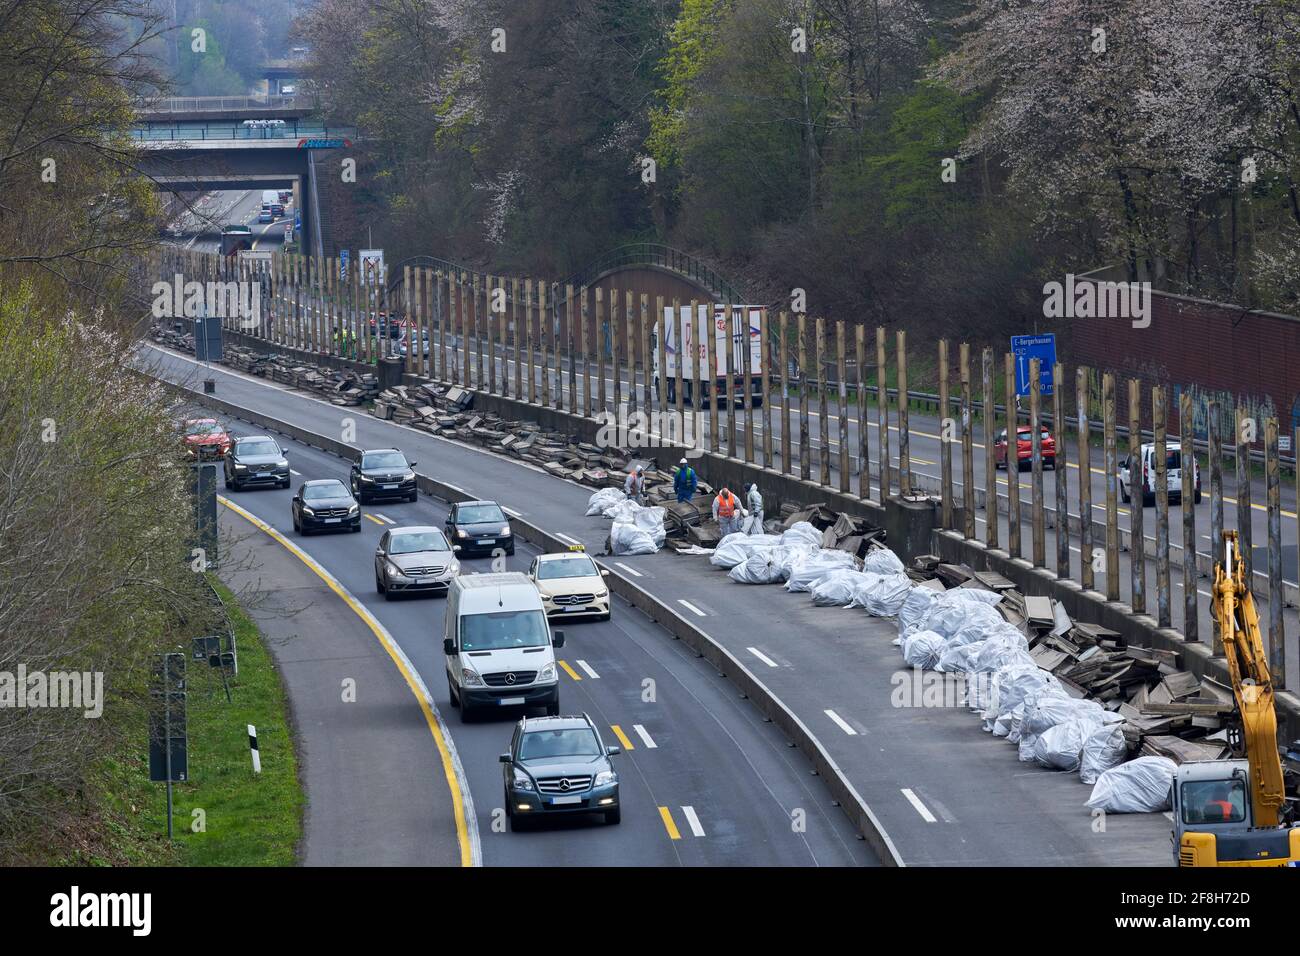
(559, 765)
(325, 505)
(383, 473)
(480, 527)
(256, 461)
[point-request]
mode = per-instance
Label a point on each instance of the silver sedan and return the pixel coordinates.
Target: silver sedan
(415, 559)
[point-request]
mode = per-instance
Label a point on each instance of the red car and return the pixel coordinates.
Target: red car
(205, 439)
(1025, 448)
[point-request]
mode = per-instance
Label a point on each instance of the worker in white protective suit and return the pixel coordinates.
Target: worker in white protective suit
(754, 523)
(634, 485)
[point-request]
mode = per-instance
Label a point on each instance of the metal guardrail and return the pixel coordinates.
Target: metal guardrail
(664, 257)
(224, 133)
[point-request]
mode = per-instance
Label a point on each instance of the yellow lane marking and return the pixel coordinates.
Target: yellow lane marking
(569, 670)
(448, 767)
(669, 825)
(374, 519)
(622, 737)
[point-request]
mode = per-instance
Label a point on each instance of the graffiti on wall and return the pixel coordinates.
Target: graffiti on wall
(1259, 407)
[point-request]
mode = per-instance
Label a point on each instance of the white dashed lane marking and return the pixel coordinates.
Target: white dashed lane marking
(631, 571)
(588, 669)
(762, 657)
(920, 807)
(645, 736)
(691, 607)
(841, 723)
(693, 821)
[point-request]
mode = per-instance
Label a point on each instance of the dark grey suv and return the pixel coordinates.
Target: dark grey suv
(559, 765)
(383, 473)
(256, 461)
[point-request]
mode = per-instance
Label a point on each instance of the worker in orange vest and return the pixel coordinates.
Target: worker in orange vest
(634, 485)
(727, 512)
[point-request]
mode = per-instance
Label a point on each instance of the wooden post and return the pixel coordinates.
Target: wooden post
(990, 466)
(904, 432)
(573, 351)
(1246, 428)
(967, 441)
(784, 324)
(765, 385)
(1187, 462)
(947, 431)
(615, 358)
(602, 342)
(1013, 458)
(823, 416)
(661, 325)
(864, 457)
(805, 450)
(629, 322)
(489, 288)
(530, 362)
(882, 414)
(1111, 464)
(1084, 432)
(503, 336)
(587, 396)
(1273, 488)
(1217, 545)
(646, 361)
(843, 406)
(1036, 460)
(1137, 500)
(408, 297)
(710, 380)
(730, 371)
(543, 334)
(1161, 463)
(679, 326)
(1061, 473)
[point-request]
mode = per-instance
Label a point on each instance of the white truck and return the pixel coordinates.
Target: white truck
(746, 353)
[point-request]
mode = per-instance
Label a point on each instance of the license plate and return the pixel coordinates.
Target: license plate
(510, 701)
(487, 540)
(565, 800)
(333, 520)
(388, 487)
(566, 610)
(423, 580)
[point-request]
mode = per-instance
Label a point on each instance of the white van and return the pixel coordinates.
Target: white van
(1173, 477)
(498, 645)
(270, 197)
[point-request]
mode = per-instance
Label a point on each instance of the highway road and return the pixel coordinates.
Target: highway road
(944, 791)
(704, 779)
(199, 230)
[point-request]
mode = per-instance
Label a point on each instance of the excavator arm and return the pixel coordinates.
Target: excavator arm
(1234, 609)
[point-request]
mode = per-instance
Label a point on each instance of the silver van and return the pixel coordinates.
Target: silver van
(498, 645)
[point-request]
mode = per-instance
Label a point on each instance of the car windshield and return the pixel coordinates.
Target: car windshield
(566, 568)
(501, 630)
(1214, 801)
(414, 541)
(573, 742)
(264, 447)
(479, 514)
(328, 489)
(202, 428)
(383, 459)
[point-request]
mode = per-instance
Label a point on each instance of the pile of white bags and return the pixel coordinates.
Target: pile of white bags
(764, 566)
(738, 547)
(1105, 748)
(882, 561)
(801, 532)
(882, 594)
(923, 648)
(838, 588)
(605, 498)
(625, 537)
(816, 566)
(1139, 786)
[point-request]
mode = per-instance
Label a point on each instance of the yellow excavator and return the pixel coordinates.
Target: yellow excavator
(1234, 812)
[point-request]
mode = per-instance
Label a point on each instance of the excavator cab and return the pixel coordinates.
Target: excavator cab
(1213, 823)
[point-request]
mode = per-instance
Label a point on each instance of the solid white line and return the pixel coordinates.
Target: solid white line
(645, 737)
(298, 473)
(761, 656)
(634, 573)
(689, 606)
(565, 537)
(512, 512)
(693, 821)
(920, 807)
(587, 667)
(384, 518)
(840, 723)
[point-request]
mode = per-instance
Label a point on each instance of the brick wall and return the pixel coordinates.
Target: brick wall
(1216, 351)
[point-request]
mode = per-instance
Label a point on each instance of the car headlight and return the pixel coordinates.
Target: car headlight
(239, 467)
(505, 530)
(470, 677)
(522, 782)
(548, 672)
(366, 478)
(282, 464)
(462, 533)
(454, 567)
(355, 509)
(307, 511)
(601, 595)
(395, 571)
(606, 777)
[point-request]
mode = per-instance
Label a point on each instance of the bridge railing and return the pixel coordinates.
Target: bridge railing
(664, 257)
(198, 104)
(210, 132)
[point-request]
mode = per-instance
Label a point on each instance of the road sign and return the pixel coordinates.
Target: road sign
(1041, 347)
(207, 339)
(372, 266)
(343, 264)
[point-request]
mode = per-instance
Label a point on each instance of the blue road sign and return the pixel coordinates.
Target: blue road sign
(1041, 347)
(343, 264)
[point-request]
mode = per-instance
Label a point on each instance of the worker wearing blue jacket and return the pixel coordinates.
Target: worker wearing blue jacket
(685, 481)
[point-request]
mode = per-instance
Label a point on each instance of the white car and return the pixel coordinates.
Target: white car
(1173, 477)
(571, 585)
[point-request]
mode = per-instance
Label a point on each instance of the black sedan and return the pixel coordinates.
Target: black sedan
(255, 461)
(325, 505)
(383, 473)
(480, 527)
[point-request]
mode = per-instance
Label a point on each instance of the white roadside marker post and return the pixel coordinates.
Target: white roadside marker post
(252, 746)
